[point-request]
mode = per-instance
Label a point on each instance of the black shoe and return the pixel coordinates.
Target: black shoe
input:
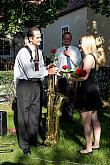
(27, 151)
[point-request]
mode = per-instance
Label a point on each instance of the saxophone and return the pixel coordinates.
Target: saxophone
(55, 101)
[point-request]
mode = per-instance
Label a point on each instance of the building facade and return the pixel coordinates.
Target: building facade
(79, 20)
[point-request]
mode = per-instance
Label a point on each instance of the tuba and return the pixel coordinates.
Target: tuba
(54, 104)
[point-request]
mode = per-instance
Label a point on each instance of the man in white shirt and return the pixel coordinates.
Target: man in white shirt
(71, 56)
(29, 69)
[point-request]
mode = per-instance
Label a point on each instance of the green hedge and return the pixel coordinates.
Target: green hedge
(6, 77)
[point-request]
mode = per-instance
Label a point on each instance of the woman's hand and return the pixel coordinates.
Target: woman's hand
(77, 79)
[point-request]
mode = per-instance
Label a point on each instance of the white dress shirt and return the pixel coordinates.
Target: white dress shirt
(75, 58)
(23, 58)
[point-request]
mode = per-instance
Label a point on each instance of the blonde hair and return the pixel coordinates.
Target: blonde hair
(89, 47)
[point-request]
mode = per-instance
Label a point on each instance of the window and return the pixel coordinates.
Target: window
(4, 47)
(63, 30)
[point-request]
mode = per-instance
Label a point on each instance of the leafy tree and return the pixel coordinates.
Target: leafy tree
(18, 14)
(100, 6)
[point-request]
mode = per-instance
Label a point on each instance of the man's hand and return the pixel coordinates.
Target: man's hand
(68, 52)
(52, 70)
(51, 66)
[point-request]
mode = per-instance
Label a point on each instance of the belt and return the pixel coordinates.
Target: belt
(34, 79)
(31, 79)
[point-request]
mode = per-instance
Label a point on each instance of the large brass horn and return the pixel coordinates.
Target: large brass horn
(55, 101)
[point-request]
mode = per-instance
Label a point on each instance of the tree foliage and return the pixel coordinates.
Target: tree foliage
(18, 14)
(100, 6)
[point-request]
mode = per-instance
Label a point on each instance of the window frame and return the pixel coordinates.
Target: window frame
(63, 30)
(4, 46)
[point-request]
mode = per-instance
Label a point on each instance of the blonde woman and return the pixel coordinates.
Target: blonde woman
(89, 100)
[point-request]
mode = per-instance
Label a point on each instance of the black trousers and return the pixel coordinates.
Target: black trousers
(67, 89)
(28, 107)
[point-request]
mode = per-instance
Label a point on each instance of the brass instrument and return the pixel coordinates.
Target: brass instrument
(55, 101)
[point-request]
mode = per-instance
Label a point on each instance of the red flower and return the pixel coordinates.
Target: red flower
(80, 72)
(84, 73)
(65, 67)
(53, 51)
(74, 73)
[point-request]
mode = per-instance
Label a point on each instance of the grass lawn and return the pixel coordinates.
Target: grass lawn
(71, 140)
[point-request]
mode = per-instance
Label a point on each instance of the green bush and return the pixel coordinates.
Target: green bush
(6, 77)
